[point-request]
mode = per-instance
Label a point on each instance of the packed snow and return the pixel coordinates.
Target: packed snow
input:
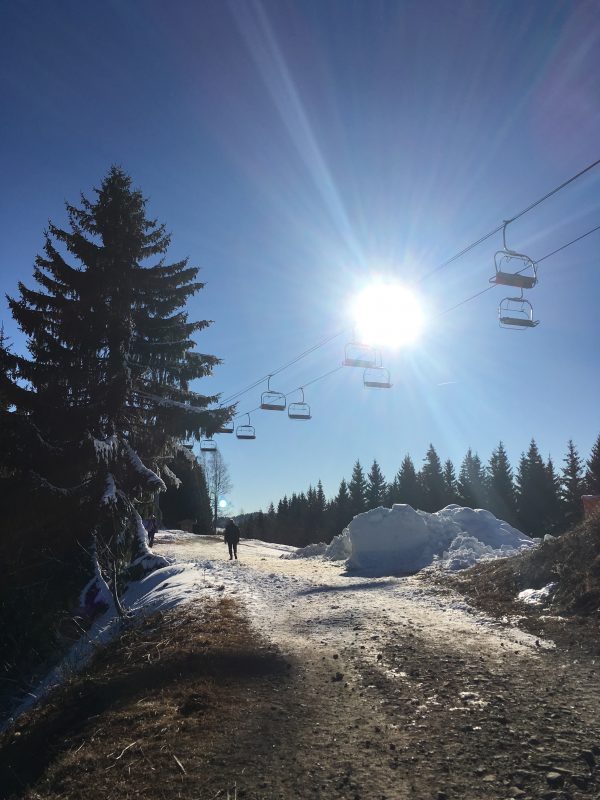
(300, 601)
(401, 540)
(537, 597)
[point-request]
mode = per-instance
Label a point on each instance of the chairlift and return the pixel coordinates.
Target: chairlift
(189, 445)
(272, 400)
(377, 378)
(359, 355)
(208, 445)
(299, 410)
(245, 431)
(226, 427)
(516, 313)
(512, 268)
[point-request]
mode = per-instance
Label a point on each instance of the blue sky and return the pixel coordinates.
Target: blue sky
(297, 149)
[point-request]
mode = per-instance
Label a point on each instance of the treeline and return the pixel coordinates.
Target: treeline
(537, 498)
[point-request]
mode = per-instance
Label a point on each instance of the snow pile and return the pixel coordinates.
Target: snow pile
(400, 540)
(537, 597)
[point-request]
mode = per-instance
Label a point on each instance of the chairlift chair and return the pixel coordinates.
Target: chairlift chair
(512, 268)
(226, 427)
(299, 410)
(208, 445)
(377, 378)
(516, 313)
(245, 431)
(359, 355)
(272, 400)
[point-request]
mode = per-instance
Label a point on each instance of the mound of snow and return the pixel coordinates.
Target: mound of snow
(400, 539)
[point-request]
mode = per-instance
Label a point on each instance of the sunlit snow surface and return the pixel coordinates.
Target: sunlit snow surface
(401, 540)
(306, 602)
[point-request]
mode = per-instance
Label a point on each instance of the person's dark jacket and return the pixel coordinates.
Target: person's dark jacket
(232, 533)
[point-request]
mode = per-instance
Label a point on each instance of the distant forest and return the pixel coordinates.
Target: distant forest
(537, 498)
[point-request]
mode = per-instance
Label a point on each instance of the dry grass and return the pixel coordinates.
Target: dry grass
(151, 713)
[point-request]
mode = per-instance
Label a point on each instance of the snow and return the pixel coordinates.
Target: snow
(402, 540)
(305, 602)
(110, 491)
(537, 597)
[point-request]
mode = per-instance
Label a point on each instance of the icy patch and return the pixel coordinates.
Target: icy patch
(536, 597)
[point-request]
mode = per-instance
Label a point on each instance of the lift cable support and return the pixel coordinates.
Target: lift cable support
(512, 268)
(299, 410)
(245, 431)
(272, 400)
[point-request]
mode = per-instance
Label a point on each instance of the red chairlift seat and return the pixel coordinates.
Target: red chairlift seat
(377, 378)
(271, 400)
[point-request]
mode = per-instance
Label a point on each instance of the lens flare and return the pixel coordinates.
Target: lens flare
(387, 315)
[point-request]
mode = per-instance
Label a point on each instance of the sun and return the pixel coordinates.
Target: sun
(387, 314)
(222, 503)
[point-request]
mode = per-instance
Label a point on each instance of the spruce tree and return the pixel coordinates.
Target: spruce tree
(408, 484)
(535, 494)
(432, 481)
(592, 474)
(472, 489)
(341, 509)
(501, 488)
(450, 483)
(358, 490)
(111, 359)
(572, 485)
(376, 487)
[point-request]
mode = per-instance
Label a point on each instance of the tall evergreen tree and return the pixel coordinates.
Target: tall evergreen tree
(341, 509)
(408, 484)
(592, 474)
(111, 362)
(535, 494)
(472, 489)
(376, 487)
(555, 513)
(450, 483)
(572, 486)
(432, 481)
(358, 490)
(501, 488)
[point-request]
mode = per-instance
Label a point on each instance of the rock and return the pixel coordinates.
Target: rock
(489, 778)
(554, 778)
(589, 759)
(515, 792)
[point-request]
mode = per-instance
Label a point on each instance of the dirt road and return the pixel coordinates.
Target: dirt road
(406, 692)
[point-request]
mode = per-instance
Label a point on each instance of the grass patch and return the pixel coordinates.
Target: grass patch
(152, 710)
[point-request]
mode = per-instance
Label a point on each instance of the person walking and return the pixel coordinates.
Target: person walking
(232, 537)
(151, 525)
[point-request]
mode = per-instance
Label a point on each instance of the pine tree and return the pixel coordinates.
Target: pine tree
(450, 483)
(501, 488)
(572, 485)
(376, 487)
(592, 475)
(341, 509)
(432, 481)
(408, 484)
(555, 513)
(358, 490)
(111, 361)
(535, 494)
(472, 489)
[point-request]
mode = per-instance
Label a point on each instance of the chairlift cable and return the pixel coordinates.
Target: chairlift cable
(512, 219)
(448, 261)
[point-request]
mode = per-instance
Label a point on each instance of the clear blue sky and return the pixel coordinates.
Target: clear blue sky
(294, 149)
